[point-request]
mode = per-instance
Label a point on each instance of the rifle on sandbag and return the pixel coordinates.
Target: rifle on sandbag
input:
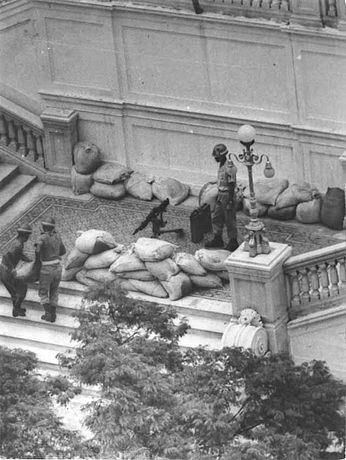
(155, 216)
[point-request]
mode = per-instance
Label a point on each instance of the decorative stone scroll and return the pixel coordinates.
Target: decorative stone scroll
(248, 332)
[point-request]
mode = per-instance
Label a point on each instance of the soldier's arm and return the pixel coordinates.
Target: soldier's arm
(25, 258)
(62, 249)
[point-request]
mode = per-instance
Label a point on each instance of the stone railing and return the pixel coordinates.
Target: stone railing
(316, 280)
(22, 137)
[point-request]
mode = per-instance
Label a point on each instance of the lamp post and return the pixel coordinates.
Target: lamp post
(255, 241)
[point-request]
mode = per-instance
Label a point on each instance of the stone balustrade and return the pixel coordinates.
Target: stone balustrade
(316, 279)
(23, 138)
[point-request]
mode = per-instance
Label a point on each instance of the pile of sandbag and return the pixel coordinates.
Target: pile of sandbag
(109, 181)
(86, 157)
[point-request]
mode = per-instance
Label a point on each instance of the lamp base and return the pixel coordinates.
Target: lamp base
(255, 241)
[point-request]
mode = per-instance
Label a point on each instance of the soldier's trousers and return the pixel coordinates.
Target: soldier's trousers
(50, 277)
(225, 215)
(15, 287)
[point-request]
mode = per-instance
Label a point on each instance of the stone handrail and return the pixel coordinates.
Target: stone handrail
(22, 137)
(316, 278)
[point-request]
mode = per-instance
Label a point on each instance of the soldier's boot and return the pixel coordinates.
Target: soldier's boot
(232, 245)
(53, 313)
(216, 242)
(17, 310)
(47, 313)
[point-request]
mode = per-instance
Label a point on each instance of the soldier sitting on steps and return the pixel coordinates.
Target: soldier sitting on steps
(16, 287)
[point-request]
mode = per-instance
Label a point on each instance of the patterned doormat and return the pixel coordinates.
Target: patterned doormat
(122, 217)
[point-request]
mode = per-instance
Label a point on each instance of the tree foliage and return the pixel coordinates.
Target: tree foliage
(159, 399)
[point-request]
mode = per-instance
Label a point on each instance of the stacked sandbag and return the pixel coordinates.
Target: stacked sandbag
(208, 194)
(139, 186)
(309, 211)
(73, 264)
(288, 199)
(170, 188)
(86, 157)
(109, 181)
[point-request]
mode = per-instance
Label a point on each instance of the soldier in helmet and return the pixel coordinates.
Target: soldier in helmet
(50, 249)
(225, 209)
(16, 287)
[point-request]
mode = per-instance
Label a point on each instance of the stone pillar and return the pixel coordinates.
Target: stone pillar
(306, 13)
(342, 160)
(60, 135)
(341, 11)
(259, 283)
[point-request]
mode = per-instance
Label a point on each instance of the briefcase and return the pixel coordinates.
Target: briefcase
(200, 223)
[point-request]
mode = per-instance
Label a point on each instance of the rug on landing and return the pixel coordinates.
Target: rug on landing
(122, 217)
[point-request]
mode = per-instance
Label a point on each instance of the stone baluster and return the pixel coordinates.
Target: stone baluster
(266, 4)
(256, 3)
(275, 4)
(334, 277)
(31, 145)
(12, 134)
(284, 5)
(3, 131)
(342, 273)
(331, 8)
(295, 289)
(246, 3)
(315, 284)
(39, 150)
(22, 148)
(304, 285)
(324, 280)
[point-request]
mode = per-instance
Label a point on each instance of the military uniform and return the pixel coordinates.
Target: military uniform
(50, 248)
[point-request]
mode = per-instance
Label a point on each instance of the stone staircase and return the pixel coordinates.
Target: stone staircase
(12, 184)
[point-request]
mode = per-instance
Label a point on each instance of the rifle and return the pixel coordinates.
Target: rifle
(155, 216)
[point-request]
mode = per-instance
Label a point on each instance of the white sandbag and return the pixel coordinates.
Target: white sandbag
(208, 195)
(188, 263)
(103, 260)
(86, 157)
(70, 273)
(208, 281)
(81, 183)
(287, 213)
(268, 190)
(153, 249)
(163, 269)
(101, 275)
(126, 285)
(127, 262)
(112, 173)
(178, 286)
(309, 212)
(152, 288)
(170, 188)
(293, 195)
(83, 279)
(142, 275)
(95, 241)
(139, 186)
(212, 259)
(262, 208)
(223, 274)
(75, 258)
(111, 192)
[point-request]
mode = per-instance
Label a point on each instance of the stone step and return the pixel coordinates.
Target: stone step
(14, 189)
(7, 172)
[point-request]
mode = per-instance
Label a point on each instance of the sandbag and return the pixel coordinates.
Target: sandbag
(188, 263)
(268, 190)
(127, 262)
(170, 188)
(293, 195)
(309, 212)
(178, 286)
(208, 281)
(86, 157)
(75, 258)
(126, 285)
(70, 273)
(112, 173)
(152, 288)
(101, 275)
(111, 192)
(94, 241)
(223, 274)
(83, 279)
(81, 183)
(208, 195)
(28, 272)
(153, 249)
(333, 208)
(262, 208)
(212, 259)
(142, 275)
(102, 260)
(139, 186)
(163, 269)
(282, 213)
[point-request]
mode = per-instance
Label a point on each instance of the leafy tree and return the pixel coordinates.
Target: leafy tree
(29, 427)
(159, 400)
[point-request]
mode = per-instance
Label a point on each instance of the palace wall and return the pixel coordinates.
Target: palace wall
(156, 89)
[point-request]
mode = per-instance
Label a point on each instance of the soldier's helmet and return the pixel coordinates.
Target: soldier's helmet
(220, 149)
(24, 230)
(50, 222)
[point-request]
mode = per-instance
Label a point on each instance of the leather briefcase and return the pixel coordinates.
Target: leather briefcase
(200, 223)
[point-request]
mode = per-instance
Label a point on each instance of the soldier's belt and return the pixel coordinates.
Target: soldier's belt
(50, 262)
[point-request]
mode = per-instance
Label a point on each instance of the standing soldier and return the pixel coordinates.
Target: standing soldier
(50, 248)
(16, 287)
(225, 208)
